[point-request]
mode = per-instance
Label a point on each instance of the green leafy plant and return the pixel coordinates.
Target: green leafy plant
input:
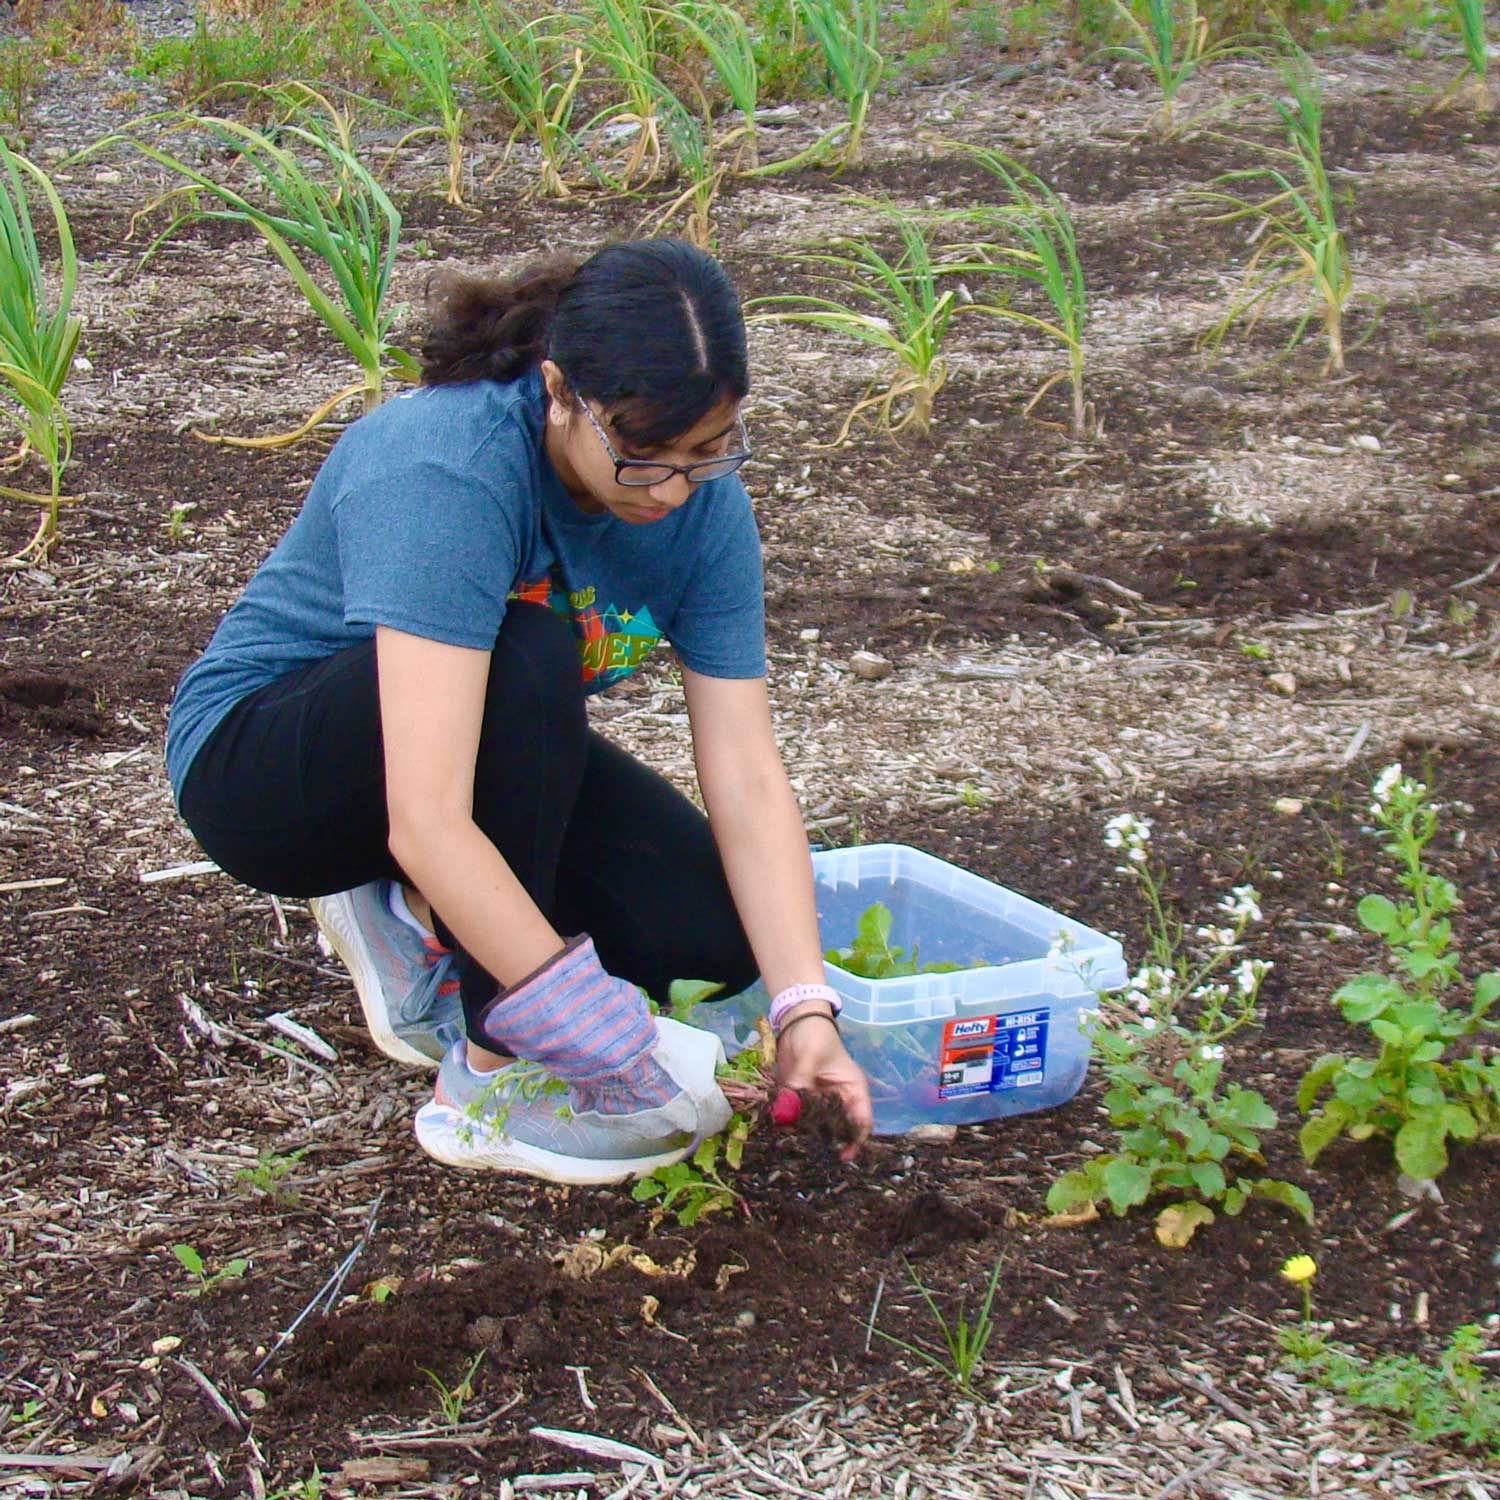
(873, 956)
(267, 1176)
(1171, 43)
(516, 1083)
(20, 77)
(1472, 87)
(532, 69)
(684, 995)
(16, 1421)
(624, 37)
(724, 36)
(846, 32)
(1297, 232)
(221, 53)
(451, 1401)
(205, 1280)
(1449, 1398)
(1042, 249)
(899, 304)
(689, 136)
(333, 214)
(1410, 1091)
(310, 1487)
(694, 1187)
(697, 1186)
(963, 1342)
(38, 337)
(429, 53)
(1160, 1044)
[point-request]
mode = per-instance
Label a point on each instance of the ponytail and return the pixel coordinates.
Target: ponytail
(650, 329)
(491, 328)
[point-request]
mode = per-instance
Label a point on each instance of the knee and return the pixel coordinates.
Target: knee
(535, 674)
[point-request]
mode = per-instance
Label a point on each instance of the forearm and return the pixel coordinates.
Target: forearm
(757, 826)
(468, 883)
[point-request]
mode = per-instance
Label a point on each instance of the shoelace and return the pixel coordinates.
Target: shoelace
(433, 953)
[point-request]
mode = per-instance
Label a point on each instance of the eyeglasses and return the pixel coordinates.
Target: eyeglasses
(640, 473)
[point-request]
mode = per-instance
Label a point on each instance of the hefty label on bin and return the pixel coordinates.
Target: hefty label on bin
(988, 1054)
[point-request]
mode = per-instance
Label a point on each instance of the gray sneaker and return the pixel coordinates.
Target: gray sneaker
(521, 1119)
(407, 981)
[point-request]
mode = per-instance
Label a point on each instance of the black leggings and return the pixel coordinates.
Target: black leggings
(288, 796)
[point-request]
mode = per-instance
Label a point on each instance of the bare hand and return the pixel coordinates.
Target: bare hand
(812, 1056)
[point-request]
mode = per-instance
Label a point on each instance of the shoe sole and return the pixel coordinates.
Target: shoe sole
(345, 940)
(451, 1137)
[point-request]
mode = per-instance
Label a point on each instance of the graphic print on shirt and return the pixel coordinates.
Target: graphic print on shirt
(612, 641)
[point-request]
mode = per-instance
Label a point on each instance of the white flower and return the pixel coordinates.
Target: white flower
(1242, 903)
(1127, 832)
(1211, 1053)
(1063, 943)
(1249, 974)
(1150, 982)
(1386, 783)
(1148, 1023)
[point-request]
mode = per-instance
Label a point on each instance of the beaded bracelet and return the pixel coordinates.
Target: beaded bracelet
(795, 994)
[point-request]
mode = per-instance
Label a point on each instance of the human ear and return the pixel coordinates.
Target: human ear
(559, 396)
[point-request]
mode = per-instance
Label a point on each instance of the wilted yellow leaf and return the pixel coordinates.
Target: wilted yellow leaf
(681, 1268)
(1072, 1219)
(721, 1280)
(1176, 1225)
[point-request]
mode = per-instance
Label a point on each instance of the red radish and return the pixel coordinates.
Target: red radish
(786, 1107)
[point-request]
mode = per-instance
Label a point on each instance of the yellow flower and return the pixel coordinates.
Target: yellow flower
(1300, 1268)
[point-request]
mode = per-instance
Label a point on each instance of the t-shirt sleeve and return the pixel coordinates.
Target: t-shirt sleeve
(719, 628)
(429, 543)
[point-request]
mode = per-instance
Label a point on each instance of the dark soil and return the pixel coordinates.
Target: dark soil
(776, 1300)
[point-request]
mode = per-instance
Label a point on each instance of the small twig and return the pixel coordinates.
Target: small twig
(1189, 1476)
(327, 1294)
(322, 970)
(44, 883)
(579, 1372)
(764, 1475)
(304, 1036)
(83, 1462)
(1356, 742)
(17, 1023)
(180, 872)
(1206, 1387)
(1468, 583)
(209, 1389)
(693, 1436)
(874, 1309)
(600, 1447)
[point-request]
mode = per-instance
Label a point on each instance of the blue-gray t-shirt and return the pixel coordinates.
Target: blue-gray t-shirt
(439, 507)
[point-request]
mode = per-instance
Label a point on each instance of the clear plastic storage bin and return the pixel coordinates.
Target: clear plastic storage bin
(952, 1048)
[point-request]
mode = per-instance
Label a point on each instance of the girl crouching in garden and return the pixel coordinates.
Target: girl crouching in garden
(391, 719)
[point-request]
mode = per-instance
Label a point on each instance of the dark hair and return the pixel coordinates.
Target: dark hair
(650, 329)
